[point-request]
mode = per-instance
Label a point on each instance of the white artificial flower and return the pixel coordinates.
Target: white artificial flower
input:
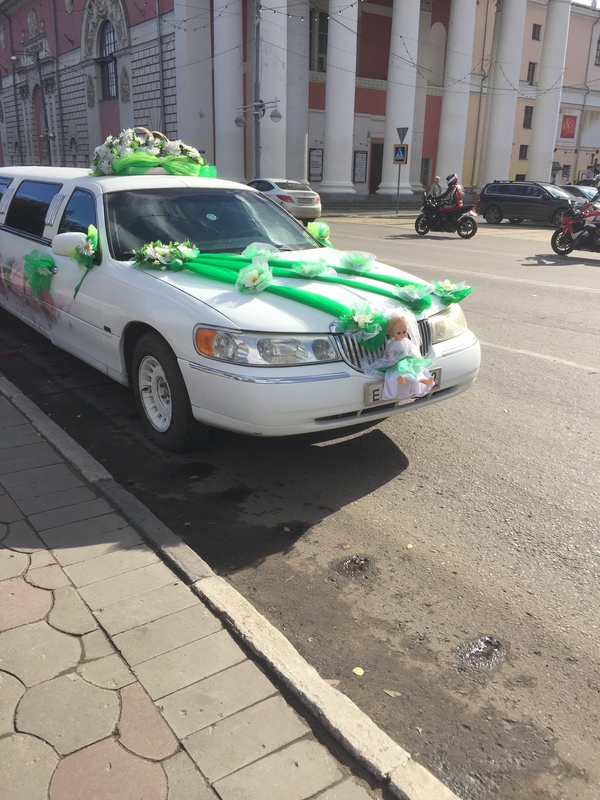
(87, 248)
(105, 166)
(362, 319)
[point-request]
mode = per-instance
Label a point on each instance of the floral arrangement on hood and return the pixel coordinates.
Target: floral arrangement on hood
(136, 151)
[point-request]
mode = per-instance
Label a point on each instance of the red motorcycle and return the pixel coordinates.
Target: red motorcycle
(579, 230)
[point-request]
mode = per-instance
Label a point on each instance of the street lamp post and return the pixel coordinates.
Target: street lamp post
(258, 109)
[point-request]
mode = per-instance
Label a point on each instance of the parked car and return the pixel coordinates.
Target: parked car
(297, 198)
(585, 193)
(519, 200)
(198, 351)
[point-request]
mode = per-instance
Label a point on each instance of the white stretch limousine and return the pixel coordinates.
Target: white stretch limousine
(214, 304)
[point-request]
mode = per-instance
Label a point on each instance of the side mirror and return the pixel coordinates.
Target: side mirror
(63, 242)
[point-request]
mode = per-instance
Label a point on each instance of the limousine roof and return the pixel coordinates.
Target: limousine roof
(107, 183)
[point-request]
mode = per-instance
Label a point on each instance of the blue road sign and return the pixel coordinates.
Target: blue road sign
(400, 154)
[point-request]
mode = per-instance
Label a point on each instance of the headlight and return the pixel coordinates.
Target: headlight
(447, 324)
(259, 349)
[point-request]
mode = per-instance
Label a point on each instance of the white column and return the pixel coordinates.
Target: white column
(550, 81)
(503, 90)
(416, 141)
(457, 87)
(340, 83)
(401, 90)
(296, 111)
(194, 76)
(273, 82)
(228, 57)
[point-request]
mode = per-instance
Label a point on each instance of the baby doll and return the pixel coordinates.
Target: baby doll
(404, 369)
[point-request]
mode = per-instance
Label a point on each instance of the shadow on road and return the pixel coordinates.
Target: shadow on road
(237, 500)
(551, 259)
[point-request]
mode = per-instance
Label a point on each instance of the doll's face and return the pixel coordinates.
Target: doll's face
(398, 329)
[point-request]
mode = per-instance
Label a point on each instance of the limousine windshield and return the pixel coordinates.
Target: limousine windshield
(214, 221)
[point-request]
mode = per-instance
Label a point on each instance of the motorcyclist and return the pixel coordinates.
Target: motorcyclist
(592, 213)
(452, 198)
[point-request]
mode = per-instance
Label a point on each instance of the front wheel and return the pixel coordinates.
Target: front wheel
(421, 225)
(493, 215)
(161, 397)
(562, 242)
(467, 227)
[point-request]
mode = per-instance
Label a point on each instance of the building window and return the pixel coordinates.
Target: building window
(520, 176)
(523, 148)
(597, 61)
(536, 32)
(318, 41)
(108, 63)
(531, 73)
(527, 116)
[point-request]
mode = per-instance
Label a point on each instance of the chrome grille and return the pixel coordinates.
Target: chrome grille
(354, 354)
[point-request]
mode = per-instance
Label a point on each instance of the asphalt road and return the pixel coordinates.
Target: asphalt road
(450, 553)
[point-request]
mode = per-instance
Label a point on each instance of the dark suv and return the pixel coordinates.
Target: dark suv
(519, 200)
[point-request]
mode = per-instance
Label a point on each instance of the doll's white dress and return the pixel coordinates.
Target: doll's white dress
(401, 357)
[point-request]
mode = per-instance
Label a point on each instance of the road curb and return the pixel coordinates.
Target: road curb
(372, 747)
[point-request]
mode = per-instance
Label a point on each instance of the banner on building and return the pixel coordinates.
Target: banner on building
(568, 127)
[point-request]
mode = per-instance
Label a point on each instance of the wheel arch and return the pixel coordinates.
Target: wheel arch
(131, 336)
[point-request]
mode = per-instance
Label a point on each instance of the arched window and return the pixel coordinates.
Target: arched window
(597, 62)
(108, 63)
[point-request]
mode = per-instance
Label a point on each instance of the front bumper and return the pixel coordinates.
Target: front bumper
(284, 402)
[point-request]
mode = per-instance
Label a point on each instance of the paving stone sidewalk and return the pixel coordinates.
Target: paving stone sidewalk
(119, 681)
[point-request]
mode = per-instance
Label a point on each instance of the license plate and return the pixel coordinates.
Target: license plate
(374, 391)
(305, 201)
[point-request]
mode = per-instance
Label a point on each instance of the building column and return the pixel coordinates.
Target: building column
(550, 81)
(416, 141)
(194, 76)
(457, 88)
(503, 91)
(273, 77)
(401, 91)
(228, 57)
(340, 86)
(296, 111)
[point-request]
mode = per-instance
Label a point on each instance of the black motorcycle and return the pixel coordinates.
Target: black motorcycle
(461, 221)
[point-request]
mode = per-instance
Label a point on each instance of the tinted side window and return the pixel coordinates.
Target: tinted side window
(28, 208)
(4, 182)
(80, 213)
(535, 191)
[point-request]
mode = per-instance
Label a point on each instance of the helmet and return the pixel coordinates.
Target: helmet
(452, 179)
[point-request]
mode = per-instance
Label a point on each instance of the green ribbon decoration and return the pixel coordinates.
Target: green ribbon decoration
(369, 327)
(85, 260)
(38, 270)
(321, 231)
(140, 162)
(451, 293)
(409, 365)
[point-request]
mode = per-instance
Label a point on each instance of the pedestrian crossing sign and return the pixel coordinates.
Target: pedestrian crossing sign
(400, 154)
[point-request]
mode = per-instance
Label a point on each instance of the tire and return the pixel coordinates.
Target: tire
(467, 227)
(493, 215)
(556, 218)
(421, 225)
(515, 220)
(161, 397)
(562, 242)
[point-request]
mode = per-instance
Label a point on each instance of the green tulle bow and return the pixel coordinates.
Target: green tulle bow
(84, 254)
(38, 271)
(141, 162)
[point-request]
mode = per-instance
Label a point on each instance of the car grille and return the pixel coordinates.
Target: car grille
(354, 354)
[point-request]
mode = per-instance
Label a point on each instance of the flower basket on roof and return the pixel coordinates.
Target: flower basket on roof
(138, 151)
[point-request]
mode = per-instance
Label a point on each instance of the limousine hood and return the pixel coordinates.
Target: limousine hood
(264, 310)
